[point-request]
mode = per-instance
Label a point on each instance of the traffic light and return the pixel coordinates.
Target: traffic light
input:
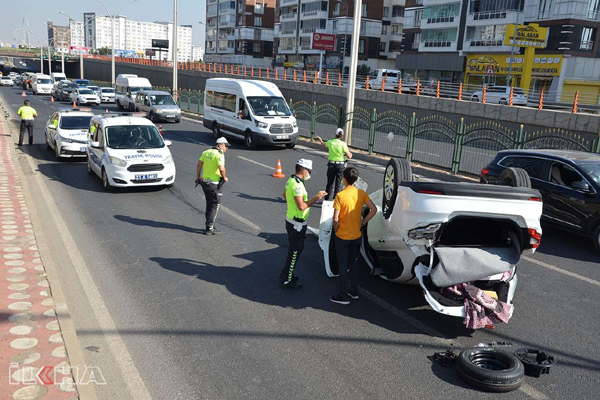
(55, 57)
(66, 58)
(45, 56)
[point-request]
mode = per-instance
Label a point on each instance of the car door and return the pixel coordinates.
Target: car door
(51, 133)
(564, 204)
(241, 120)
(95, 154)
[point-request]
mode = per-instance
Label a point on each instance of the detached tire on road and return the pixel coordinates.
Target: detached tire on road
(515, 177)
(490, 370)
(397, 170)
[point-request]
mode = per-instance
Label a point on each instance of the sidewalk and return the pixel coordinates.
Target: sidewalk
(33, 359)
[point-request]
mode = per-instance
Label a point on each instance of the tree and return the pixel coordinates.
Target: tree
(363, 69)
(105, 51)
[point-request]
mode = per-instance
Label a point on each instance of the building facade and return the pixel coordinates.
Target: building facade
(59, 37)
(77, 34)
(136, 36)
(464, 41)
(197, 53)
(240, 32)
(380, 32)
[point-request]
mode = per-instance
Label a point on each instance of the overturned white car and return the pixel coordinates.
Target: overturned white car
(460, 241)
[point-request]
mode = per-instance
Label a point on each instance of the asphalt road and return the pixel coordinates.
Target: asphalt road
(204, 317)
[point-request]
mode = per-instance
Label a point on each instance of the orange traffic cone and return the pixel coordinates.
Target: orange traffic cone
(23, 94)
(278, 172)
(74, 105)
(106, 110)
(160, 129)
(51, 99)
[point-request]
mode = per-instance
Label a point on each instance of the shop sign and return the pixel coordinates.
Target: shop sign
(526, 36)
(288, 64)
(323, 41)
(499, 64)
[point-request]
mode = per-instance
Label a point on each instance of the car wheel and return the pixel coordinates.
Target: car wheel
(290, 145)
(152, 117)
(596, 238)
(105, 183)
(503, 102)
(78, 103)
(57, 152)
(490, 370)
(397, 170)
(119, 106)
(515, 177)
(475, 99)
(250, 141)
(89, 167)
(216, 131)
(48, 147)
(178, 120)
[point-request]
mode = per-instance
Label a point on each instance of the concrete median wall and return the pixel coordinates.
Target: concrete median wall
(511, 117)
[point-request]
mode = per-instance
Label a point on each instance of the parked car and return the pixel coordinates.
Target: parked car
(6, 81)
(501, 95)
(107, 95)
(84, 96)
(440, 234)
(42, 84)
(126, 88)
(67, 132)
(568, 180)
(127, 150)
(56, 90)
(254, 111)
(82, 82)
(158, 106)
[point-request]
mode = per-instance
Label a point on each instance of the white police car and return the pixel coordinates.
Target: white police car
(126, 150)
(66, 132)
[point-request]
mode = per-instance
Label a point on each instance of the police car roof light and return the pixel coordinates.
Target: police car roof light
(122, 114)
(76, 109)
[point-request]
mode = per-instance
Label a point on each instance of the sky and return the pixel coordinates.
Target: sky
(39, 11)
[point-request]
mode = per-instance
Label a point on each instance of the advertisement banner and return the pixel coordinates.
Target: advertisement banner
(499, 64)
(160, 43)
(125, 53)
(76, 50)
(526, 36)
(323, 41)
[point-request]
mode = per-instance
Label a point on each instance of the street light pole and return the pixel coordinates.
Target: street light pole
(41, 52)
(352, 72)
(512, 49)
(80, 50)
(345, 35)
(175, 49)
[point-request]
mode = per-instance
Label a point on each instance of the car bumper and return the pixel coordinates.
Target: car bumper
(72, 149)
(43, 91)
(168, 117)
(120, 177)
(272, 138)
(108, 99)
(89, 101)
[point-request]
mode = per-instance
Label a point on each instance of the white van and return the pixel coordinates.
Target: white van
(252, 110)
(126, 87)
(42, 84)
(57, 77)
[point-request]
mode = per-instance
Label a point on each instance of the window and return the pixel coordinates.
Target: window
(134, 137)
(241, 6)
(545, 9)
(220, 100)
(564, 175)
(257, 21)
(533, 166)
(361, 46)
(587, 34)
(240, 20)
(382, 47)
(336, 9)
(593, 9)
(259, 8)
(441, 13)
(364, 10)
(397, 11)
(395, 30)
(384, 29)
(335, 26)
(386, 11)
(256, 47)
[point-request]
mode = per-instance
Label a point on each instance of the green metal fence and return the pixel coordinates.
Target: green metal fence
(433, 140)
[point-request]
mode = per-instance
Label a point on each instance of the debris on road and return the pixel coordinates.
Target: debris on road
(536, 362)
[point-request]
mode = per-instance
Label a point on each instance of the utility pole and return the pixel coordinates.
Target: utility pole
(174, 48)
(512, 49)
(352, 72)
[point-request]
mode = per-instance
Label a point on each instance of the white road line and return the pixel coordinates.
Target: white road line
(240, 218)
(562, 271)
(314, 231)
(531, 392)
(256, 162)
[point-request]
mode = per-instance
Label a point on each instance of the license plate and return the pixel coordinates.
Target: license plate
(83, 149)
(279, 137)
(146, 177)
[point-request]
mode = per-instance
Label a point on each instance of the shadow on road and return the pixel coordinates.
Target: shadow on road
(247, 196)
(557, 242)
(157, 224)
(447, 374)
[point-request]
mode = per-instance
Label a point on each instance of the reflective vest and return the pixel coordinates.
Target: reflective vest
(295, 187)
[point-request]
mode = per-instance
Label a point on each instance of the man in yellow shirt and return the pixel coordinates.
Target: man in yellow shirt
(347, 224)
(27, 114)
(338, 153)
(212, 166)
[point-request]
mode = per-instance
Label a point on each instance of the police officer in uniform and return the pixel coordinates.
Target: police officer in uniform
(27, 114)
(296, 219)
(338, 153)
(212, 166)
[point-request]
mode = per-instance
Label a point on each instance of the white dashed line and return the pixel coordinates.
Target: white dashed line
(257, 163)
(562, 271)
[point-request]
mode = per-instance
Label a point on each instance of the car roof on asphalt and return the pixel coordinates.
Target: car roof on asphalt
(572, 155)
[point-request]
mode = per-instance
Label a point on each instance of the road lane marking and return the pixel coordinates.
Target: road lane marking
(563, 271)
(240, 218)
(256, 162)
(531, 392)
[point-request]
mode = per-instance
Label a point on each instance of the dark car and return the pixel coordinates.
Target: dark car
(81, 82)
(64, 90)
(568, 180)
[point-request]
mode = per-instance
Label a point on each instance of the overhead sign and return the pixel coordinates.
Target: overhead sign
(160, 43)
(499, 64)
(526, 36)
(323, 41)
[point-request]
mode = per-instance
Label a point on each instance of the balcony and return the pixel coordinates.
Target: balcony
(226, 24)
(212, 1)
(485, 45)
(310, 31)
(586, 45)
(437, 45)
(289, 2)
(211, 50)
(288, 17)
(287, 33)
(500, 17)
(397, 20)
(286, 50)
(396, 37)
(225, 36)
(593, 15)
(447, 21)
(315, 15)
(226, 50)
(226, 11)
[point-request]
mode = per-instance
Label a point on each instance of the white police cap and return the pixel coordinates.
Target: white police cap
(339, 132)
(304, 163)
(222, 140)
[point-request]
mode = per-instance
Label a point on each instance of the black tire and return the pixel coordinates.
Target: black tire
(152, 116)
(216, 131)
(105, 183)
(503, 102)
(56, 153)
(490, 370)
(290, 145)
(475, 99)
(596, 238)
(178, 120)
(89, 167)
(397, 170)
(48, 147)
(515, 177)
(250, 141)
(119, 106)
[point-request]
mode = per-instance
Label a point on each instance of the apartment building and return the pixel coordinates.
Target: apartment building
(77, 34)
(380, 32)
(59, 37)
(240, 32)
(197, 53)
(464, 41)
(136, 36)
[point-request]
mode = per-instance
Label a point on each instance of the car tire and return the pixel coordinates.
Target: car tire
(89, 167)
(216, 131)
(57, 153)
(490, 370)
(250, 141)
(596, 238)
(515, 177)
(78, 103)
(503, 102)
(290, 145)
(152, 116)
(105, 182)
(119, 106)
(48, 147)
(475, 99)
(178, 120)
(397, 170)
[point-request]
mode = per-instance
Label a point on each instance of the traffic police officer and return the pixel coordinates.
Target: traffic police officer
(338, 152)
(212, 165)
(296, 219)
(27, 114)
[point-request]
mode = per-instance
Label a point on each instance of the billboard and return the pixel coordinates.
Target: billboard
(76, 50)
(323, 41)
(125, 53)
(526, 36)
(499, 64)
(160, 43)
